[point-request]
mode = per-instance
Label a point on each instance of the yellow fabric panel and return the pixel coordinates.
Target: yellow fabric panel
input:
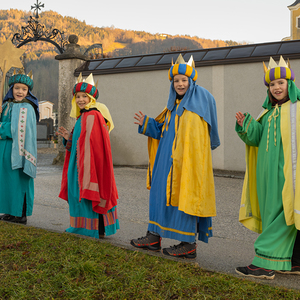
(152, 148)
(249, 211)
(249, 214)
(288, 188)
(191, 181)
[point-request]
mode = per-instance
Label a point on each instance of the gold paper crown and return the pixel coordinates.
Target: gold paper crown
(89, 80)
(180, 60)
(273, 64)
(21, 71)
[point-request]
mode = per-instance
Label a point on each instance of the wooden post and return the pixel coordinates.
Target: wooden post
(3, 82)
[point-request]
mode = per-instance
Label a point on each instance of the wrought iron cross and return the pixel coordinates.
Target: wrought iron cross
(37, 6)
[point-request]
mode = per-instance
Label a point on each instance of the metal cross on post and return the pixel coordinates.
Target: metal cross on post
(37, 6)
(35, 31)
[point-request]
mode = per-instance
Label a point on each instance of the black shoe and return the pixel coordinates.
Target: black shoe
(20, 220)
(6, 217)
(150, 242)
(183, 250)
(253, 271)
(294, 271)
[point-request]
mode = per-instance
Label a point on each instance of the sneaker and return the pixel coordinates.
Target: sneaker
(294, 271)
(253, 271)
(150, 242)
(184, 250)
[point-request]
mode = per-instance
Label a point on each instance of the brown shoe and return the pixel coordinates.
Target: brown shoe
(150, 242)
(183, 250)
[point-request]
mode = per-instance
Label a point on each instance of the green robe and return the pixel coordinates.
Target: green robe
(274, 246)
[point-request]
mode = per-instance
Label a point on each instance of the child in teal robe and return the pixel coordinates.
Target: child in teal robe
(18, 150)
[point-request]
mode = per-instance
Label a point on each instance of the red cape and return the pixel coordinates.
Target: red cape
(95, 167)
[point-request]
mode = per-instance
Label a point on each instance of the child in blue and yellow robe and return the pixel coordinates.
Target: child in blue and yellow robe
(180, 173)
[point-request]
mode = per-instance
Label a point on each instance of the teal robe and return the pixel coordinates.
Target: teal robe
(17, 162)
(84, 216)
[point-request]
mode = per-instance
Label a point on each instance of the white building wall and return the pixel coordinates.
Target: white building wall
(235, 87)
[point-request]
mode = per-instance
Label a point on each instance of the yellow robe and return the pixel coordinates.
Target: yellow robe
(190, 184)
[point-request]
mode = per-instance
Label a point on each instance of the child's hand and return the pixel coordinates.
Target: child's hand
(240, 117)
(63, 132)
(0, 109)
(140, 118)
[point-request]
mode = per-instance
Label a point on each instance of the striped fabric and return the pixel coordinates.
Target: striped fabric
(86, 88)
(110, 218)
(278, 73)
(82, 222)
(183, 69)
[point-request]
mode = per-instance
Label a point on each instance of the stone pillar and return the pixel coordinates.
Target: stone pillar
(68, 62)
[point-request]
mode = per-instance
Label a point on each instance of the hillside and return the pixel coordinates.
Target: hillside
(115, 42)
(111, 38)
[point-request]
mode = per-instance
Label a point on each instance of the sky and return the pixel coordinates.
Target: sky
(250, 21)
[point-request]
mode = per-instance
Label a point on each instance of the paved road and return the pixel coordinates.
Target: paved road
(231, 246)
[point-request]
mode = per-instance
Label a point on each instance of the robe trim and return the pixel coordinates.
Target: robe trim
(82, 222)
(293, 116)
(145, 124)
(21, 136)
(173, 230)
(270, 258)
(86, 181)
(110, 218)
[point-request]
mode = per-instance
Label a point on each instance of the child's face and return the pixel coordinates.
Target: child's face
(279, 88)
(20, 91)
(181, 84)
(82, 99)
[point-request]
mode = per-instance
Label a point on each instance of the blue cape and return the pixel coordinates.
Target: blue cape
(200, 101)
(30, 97)
(24, 148)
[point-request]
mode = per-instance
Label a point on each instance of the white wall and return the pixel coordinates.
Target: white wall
(235, 87)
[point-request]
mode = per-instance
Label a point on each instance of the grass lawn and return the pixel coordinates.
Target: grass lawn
(38, 264)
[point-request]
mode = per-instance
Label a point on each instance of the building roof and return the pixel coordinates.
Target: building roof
(295, 3)
(202, 57)
(45, 101)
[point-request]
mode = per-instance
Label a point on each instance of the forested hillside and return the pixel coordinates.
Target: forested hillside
(115, 42)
